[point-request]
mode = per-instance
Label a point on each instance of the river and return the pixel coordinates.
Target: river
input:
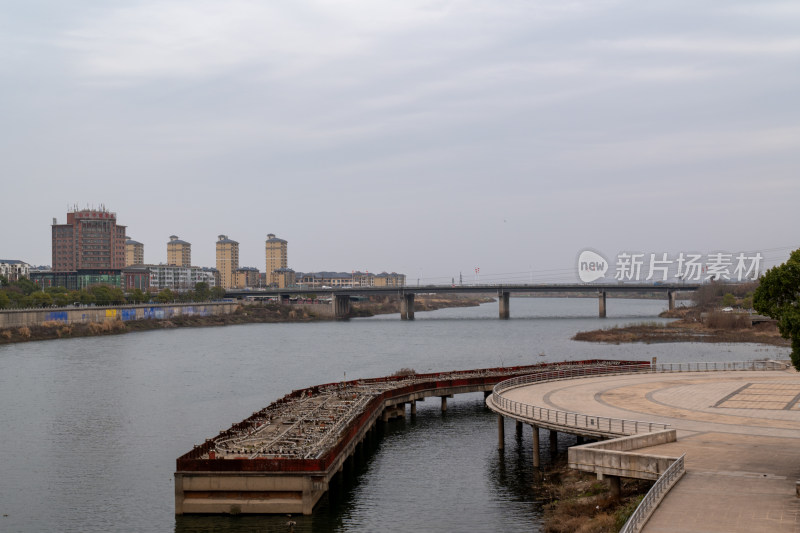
(90, 428)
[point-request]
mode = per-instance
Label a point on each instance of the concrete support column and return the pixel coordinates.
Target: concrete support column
(413, 408)
(602, 300)
(501, 432)
(505, 310)
(407, 307)
(671, 297)
(553, 442)
(519, 428)
(536, 457)
(341, 305)
(444, 404)
(178, 493)
(308, 496)
(614, 487)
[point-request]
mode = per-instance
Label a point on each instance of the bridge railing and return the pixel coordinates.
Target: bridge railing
(654, 496)
(720, 366)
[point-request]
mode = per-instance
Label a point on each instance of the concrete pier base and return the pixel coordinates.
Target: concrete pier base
(444, 403)
(614, 487)
(501, 432)
(601, 298)
(503, 298)
(407, 307)
(341, 305)
(671, 297)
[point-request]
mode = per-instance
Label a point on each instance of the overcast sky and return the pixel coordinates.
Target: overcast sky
(427, 138)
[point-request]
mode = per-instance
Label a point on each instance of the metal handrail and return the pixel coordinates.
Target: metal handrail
(603, 424)
(654, 496)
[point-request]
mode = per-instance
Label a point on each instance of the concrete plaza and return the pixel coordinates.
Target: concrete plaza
(740, 432)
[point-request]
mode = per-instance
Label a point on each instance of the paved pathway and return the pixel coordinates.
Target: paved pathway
(740, 432)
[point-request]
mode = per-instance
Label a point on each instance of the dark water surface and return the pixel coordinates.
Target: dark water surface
(90, 428)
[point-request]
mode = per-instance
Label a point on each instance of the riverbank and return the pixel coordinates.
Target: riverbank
(577, 502)
(690, 326)
(244, 314)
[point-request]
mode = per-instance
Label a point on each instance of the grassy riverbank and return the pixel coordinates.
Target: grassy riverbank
(690, 326)
(244, 314)
(576, 502)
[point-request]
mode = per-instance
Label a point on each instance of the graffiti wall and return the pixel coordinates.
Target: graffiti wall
(72, 315)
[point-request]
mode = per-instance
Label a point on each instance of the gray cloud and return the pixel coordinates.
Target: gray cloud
(433, 136)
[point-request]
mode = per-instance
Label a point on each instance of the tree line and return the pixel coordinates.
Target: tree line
(24, 294)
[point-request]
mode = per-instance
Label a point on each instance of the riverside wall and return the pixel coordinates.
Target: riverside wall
(76, 315)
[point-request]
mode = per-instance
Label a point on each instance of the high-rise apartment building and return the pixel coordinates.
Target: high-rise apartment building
(227, 261)
(277, 257)
(91, 239)
(179, 252)
(247, 277)
(134, 253)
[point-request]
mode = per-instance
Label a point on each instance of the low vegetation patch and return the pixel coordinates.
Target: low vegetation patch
(703, 322)
(581, 504)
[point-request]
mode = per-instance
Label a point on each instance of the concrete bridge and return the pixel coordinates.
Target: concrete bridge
(340, 297)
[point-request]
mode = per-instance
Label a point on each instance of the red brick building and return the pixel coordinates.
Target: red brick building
(91, 239)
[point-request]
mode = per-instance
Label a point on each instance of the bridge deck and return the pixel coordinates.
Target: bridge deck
(467, 289)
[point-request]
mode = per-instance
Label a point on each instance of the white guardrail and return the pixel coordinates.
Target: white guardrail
(639, 517)
(616, 426)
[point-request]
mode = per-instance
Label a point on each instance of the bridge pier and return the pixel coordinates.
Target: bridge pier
(407, 306)
(671, 297)
(503, 298)
(553, 442)
(536, 457)
(501, 432)
(444, 402)
(601, 296)
(614, 487)
(341, 305)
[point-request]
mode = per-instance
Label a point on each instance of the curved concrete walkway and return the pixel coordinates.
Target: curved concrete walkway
(740, 432)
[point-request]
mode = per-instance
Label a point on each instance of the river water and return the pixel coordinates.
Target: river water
(90, 428)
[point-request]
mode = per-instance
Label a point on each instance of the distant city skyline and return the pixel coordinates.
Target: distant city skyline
(418, 137)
